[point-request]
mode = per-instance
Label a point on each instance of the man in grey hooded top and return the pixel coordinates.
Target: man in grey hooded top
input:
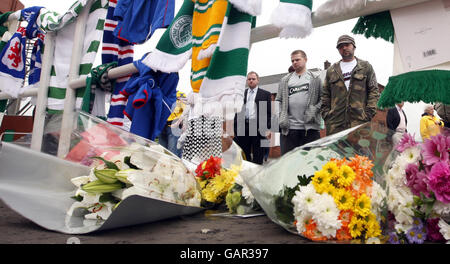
(299, 94)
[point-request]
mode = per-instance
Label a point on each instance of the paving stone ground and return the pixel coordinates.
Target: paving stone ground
(193, 229)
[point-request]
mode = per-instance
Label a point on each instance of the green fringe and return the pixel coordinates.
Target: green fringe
(427, 86)
(378, 25)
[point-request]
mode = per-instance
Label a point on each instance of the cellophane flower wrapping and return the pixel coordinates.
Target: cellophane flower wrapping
(331, 189)
(220, 181)
(418, 189)
(124, 164)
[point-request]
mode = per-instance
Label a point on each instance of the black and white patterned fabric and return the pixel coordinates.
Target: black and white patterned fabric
(203, 139)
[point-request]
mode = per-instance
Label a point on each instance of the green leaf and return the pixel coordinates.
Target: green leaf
(418, 213)
(428, 209)
(107, 197)
(320, 157)
(77, 198)
(127, 160)
(303, 180)
(109, 164)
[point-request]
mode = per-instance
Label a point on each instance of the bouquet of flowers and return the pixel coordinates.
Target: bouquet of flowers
(418, 184)
(215, 180)
(239, 199)
(331, 189)
(340, 202)
(136, 170)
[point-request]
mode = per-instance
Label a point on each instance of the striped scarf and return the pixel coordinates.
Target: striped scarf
(216, 33)
(120, 51)
(293, 17)
(51, 21)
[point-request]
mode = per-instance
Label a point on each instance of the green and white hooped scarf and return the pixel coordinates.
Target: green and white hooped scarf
(63, 24)
(225, 78)
(294, 18)
(224, 81)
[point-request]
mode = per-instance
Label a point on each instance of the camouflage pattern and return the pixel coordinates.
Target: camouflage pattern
(443, 111)
(342, 109)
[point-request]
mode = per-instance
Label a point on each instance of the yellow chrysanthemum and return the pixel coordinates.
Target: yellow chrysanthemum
(202, 183)
(321, 181)
(356, 226)
(331, 169)
(345, 176)
(218, 184)
(372, 226)
(343, 199)
(330, 189)
(362, 205)
(209, 195)
(215, 189)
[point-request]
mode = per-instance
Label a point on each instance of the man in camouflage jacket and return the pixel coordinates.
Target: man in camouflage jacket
(350, 91)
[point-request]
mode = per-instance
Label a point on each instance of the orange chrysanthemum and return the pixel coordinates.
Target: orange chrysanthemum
(343, 234)
(312, 233)
(345, 216)
(339, 162)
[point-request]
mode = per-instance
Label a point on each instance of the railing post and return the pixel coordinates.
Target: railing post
(42, 94)
(68, 118)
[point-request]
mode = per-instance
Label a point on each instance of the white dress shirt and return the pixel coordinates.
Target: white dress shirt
(402, 125)
(250, 107)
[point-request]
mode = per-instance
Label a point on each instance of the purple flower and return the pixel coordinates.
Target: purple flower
(436, 149)
(439, 181)
(416, 235)
(433, 233)
(416, 180)
(393, 238)
(407, 141)
(417, 223)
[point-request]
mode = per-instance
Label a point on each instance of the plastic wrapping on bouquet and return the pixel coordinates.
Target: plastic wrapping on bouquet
(40, 189)
(274, 185)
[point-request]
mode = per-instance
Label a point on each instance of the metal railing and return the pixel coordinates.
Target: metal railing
(258, 34)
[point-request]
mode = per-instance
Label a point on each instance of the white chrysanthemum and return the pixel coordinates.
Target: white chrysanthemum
(402, 162)
(246, 193)
(410, 155)
(444, 229)
(301, 219)
(305, 198)
(441, 208)
(378, 194)
(326, 215)
(402, 228)
(396, 174)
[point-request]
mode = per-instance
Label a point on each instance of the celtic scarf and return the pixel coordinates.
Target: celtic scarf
(294, 18)
(377, 25)
(51, 21)
(216, 33)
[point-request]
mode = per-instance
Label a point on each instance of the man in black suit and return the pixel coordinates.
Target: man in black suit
(396, 121)
(252, 124)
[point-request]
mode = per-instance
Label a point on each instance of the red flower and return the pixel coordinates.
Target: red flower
(209, 168)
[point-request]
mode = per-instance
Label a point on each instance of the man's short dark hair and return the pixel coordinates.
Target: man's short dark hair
(301, 52)
(252, 72)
